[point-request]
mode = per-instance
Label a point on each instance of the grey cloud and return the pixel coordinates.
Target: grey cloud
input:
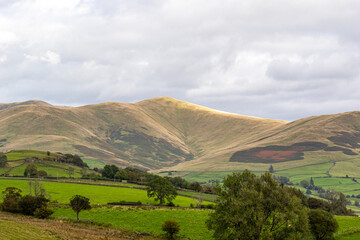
(274, 59)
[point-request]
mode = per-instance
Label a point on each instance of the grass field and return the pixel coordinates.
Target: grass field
(349, 228)
(22, 154)
(53, 170)
(16, 166)
(191, 221)
(62, 192)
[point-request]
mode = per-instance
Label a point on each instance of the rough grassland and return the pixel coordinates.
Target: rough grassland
(62, 192)
(191, 221)
(13, 230)
(18, 227)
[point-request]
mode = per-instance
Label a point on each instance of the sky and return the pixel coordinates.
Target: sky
(278, 59)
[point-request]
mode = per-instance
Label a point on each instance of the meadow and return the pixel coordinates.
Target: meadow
(144, 219)
(62, 192)
(191, 221)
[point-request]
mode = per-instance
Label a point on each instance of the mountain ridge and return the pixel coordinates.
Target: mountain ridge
(168, 134)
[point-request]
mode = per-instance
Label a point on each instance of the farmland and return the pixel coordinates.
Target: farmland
(145, 219)
(192, 221)
(62, 192)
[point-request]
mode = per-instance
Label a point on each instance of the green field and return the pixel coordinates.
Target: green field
(22, 154)
(62, 192)
(349, 228)
(144, 219)
(16, 164)
(191, 221)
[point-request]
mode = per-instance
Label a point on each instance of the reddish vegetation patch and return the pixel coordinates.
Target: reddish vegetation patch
(276, 155)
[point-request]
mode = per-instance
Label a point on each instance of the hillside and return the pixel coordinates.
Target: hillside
(168, 134)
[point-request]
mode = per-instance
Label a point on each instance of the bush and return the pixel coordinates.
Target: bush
(41, 173)
(209, 206)
(170, 204)
(171, 228)
(28, 204)
(322, 224)
(11, 199)
(43, 212)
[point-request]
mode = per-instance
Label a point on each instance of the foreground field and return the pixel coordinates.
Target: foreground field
(16, 227)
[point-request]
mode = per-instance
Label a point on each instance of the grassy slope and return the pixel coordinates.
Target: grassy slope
(16, 165)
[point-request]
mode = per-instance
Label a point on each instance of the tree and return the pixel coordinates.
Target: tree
(79, 203)
(30, 170)
(338, 204)
(109, 171)
(36, 189)
(71, 171)
(305, 184)
(171, 228)
(161, 189)
(3, 160)
(251, 207)
(322, 224)
(271, 169)
(312, 182)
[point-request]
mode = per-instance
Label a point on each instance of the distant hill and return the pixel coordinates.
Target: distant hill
(168, 134)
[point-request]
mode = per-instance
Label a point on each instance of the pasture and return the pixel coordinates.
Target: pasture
(62, 192)
(144, 219)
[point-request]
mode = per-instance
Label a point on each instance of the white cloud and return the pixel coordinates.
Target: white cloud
(276, 59)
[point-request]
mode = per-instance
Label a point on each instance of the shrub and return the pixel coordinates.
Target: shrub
(42, 173)
(11, 199)
(171, 228)
(322, 224)
(43, 212)
(28, 204)
(170, 204)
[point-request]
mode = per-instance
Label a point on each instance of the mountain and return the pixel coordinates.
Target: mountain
(167, 134)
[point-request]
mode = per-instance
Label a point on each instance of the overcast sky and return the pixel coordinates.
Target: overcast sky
(279, 59)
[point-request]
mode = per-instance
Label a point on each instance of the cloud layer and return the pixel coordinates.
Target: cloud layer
(275, 59)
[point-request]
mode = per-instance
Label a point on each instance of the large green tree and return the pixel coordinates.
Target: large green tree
(161, 189)
(251, 207)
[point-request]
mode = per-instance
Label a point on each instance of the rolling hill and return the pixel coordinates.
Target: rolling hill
(165, 134)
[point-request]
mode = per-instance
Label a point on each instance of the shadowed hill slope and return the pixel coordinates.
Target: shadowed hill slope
(165, 133)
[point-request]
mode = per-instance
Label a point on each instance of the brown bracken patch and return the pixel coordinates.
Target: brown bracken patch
(277, 153)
